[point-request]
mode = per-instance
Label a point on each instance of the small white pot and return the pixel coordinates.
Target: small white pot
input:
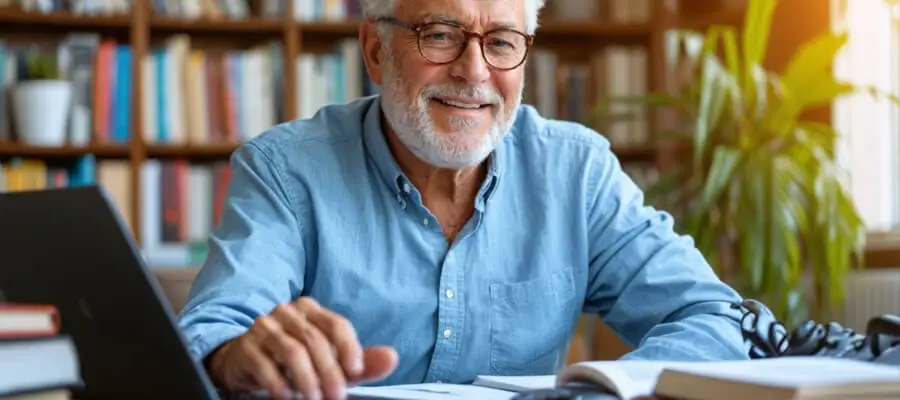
(41, 110)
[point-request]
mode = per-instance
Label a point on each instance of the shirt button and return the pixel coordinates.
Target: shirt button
(447, 333)
(425, 222)
(449, 294)
(406, 187)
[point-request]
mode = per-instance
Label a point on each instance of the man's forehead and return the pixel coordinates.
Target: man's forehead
(496, 13)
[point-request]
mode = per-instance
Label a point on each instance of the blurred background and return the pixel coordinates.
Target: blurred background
(768, 128)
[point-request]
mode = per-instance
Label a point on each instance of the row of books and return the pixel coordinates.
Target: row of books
(181, 203)
(334, 77)
(195, 9)
(304, 10)
(79, 7)
(315, 10)
(189, 95)
(37, 361)
(574, 91)
(197, 96)
(20, 173)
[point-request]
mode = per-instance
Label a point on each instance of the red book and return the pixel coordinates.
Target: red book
(25, 320)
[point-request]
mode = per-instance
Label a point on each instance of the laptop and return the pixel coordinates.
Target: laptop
(67, 247)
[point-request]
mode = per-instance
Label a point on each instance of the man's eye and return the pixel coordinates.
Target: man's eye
(500, 43)
(438, 36)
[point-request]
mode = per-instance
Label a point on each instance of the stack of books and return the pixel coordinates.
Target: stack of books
(37, 361)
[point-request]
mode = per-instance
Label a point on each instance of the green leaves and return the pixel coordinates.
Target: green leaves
(725, 162)
(757, 23)
(40, 66)
(762, 193)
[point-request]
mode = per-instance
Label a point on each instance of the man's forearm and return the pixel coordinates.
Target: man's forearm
(695, 337)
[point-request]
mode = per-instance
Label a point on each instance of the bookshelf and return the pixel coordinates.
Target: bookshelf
(571, 56)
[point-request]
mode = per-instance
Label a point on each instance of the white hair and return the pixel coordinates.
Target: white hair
(385, 8)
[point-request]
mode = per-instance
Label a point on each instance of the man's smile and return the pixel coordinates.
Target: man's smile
(462, 103)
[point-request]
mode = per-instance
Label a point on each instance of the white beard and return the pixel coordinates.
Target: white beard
(415, 128)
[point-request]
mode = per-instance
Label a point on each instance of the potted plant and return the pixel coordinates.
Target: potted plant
(761, 192)
(41, 103)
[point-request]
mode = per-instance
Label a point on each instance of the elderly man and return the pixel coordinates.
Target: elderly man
(440, 230)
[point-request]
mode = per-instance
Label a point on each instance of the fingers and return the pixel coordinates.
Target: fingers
(339, 332)
(257, 363)
(380, 361)
(285, 350)
(303, 347)
(318, 348)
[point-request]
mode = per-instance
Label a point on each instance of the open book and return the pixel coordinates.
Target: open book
(773, 378)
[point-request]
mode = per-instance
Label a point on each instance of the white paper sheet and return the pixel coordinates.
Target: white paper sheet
(517, 383)
(430, 391)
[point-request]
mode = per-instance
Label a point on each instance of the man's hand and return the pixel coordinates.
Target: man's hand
(301, 346)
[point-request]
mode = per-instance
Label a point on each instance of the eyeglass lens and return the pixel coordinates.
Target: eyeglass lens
(442, 43)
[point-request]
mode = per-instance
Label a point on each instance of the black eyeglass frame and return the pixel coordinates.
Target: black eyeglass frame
(419, 28)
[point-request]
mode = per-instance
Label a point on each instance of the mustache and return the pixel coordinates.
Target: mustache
(479, 93)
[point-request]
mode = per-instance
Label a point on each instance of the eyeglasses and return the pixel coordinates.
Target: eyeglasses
(443, 43)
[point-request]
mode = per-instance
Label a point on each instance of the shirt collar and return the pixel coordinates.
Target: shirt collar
(378, 149)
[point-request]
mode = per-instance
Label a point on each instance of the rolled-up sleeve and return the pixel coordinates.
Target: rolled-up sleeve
(650, 284)
(256, 255)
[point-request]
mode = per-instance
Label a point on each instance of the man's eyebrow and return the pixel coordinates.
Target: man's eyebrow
(456, 21)
(504, 25)
(429, 17)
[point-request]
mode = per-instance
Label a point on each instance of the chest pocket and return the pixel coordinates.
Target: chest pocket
(531, 322)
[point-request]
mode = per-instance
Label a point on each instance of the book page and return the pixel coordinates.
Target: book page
(516, 383)
(430, 391)
(796, 371)
(627, 378)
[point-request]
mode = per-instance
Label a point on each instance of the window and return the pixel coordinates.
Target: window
(869, 148)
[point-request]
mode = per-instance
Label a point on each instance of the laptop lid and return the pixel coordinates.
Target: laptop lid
(67, 247)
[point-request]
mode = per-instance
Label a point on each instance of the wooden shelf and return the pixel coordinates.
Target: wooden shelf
(731, 16)
(205, 151)
(592, 29)
(329, 27)
(99, 150)
(14, 16)
(251, 25)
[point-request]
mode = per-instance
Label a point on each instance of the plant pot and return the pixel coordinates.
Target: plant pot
(41, 110)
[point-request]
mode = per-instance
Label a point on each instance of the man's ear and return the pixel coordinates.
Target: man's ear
(370, 44)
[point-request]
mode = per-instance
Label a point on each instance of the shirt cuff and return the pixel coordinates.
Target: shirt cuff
(203, 339)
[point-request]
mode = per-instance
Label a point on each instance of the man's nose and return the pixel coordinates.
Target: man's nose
(471, 65)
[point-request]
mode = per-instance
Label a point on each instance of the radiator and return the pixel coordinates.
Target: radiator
(869, 293)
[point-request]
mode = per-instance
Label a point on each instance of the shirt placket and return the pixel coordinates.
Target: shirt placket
(451, 308)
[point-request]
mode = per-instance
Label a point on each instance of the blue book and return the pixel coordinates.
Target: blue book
(159, 60)
(122, 121)
(84, 172)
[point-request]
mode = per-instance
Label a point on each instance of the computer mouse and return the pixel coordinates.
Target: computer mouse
(565, 393)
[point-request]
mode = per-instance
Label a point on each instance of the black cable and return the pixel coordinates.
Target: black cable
(769, 337)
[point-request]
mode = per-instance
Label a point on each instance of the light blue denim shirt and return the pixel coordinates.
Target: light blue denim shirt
(319, 207)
